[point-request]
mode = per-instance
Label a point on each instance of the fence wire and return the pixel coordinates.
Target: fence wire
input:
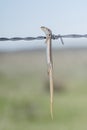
(54, 37)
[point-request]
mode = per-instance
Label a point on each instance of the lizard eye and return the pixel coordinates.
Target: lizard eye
(49, 34)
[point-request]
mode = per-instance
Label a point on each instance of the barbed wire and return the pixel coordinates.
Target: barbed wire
(54, 37)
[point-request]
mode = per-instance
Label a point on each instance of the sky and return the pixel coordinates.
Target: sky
(25, 17)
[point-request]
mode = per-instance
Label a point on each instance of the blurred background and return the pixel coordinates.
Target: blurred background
(24, 90)
(24, 85)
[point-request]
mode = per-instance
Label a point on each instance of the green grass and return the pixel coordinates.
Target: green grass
(24, 100)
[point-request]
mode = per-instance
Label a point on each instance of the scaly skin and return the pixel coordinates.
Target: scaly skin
(50, 64)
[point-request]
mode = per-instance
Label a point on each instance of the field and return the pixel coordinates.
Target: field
(24, 90)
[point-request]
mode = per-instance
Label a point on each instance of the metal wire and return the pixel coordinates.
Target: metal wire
(54, 37)
(22, 38)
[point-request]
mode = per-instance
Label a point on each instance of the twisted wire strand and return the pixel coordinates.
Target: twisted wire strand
(54, 37)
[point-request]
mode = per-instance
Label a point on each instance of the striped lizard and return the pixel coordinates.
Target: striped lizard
(48, 33)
